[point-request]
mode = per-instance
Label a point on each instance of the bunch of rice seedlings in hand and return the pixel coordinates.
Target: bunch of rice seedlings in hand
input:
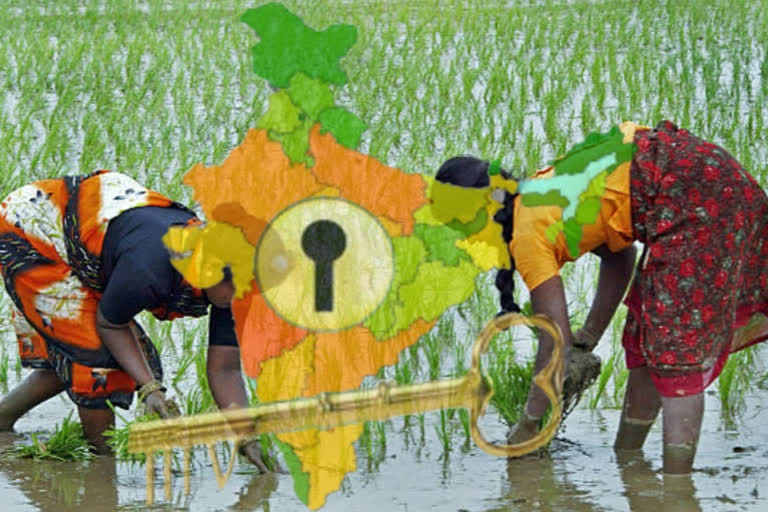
(117, 438)
(66, 443)
(269, 446)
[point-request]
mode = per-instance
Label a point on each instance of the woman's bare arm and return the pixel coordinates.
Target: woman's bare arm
(122, 343)
(615, 274)
(548, 299)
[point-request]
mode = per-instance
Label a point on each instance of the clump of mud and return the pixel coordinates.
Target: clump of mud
(582, 371)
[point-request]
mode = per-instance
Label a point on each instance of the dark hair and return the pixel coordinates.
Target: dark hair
(227, 274)
(468, 171)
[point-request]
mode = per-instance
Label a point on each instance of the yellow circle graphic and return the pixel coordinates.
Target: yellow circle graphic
(324, 264)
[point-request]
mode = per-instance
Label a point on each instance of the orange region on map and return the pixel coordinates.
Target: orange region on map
(382, 190)
(257, 175)
(342, 359)
(261, 333)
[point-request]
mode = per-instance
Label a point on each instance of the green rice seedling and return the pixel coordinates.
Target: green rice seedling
(432, 348)
(737, 377)
(762, 383)
(443, 430)
(621, 372)
(159, 332)
(373, 440)
(404, 369)
(481, 306)
(461, 353)
(606, 372)
(465, 427)
(181, 371)
(4, 362)
(511, 380)
(66, 443)
(196, 401)
(17, 367)
(381, 435)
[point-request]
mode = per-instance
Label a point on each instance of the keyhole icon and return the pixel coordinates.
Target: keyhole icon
(324, 242)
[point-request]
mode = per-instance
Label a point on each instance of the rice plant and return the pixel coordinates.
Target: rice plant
(443, 430)
(151, 101)
(4, 363)
(65, 443)
(511, 379)
(737, 377)
(117, 438)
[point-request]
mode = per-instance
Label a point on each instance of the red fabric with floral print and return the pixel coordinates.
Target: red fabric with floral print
(704, 222)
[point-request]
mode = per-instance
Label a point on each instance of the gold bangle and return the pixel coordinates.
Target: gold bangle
(150, 387)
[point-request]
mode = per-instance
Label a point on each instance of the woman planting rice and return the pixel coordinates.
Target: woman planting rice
(703, 275)
(80, 257)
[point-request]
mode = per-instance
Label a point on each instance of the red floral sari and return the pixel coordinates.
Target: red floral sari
(704, 222)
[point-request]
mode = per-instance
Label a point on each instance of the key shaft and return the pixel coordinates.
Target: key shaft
(322, 411)
(328, 410)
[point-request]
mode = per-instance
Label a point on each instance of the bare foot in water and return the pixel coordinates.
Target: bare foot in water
(523, 430)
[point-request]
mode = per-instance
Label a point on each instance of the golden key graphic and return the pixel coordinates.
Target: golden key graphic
(327, 410)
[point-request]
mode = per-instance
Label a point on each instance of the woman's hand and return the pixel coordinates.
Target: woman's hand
(251, 450)
(155, 403)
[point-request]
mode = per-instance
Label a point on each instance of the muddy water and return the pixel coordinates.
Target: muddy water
(581, 472)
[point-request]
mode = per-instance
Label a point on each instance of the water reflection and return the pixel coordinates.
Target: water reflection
(255, 495)
(648, 491)
(533, 483)
(543, 483)
(56, 486)
(93, 485)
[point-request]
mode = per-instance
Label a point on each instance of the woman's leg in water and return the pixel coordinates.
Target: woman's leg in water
(682, 426)
(641, 407)
(95, 422)
(39, 386)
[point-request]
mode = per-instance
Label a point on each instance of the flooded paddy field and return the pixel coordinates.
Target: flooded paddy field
(581, 472)
(151, 88)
